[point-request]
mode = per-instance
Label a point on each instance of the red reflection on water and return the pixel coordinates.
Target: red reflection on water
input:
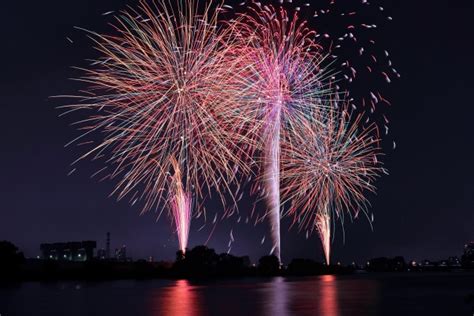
(329, 304)
(179, 299)
(310, 296)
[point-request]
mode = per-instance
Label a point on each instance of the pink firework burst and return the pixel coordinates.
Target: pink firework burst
(283, 84)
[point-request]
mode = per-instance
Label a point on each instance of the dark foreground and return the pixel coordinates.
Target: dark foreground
(356, 294)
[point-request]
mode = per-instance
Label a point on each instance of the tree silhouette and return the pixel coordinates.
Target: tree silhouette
(269, 265)
(10, 259)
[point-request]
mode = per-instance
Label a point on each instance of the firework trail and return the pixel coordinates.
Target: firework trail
(169, 132)
(181, 204)
(323, 225)
(285, 81)
(327, 169)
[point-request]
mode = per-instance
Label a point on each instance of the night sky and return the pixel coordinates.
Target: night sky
(424, 209)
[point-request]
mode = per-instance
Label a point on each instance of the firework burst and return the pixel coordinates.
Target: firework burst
(169, 131)
(284, 82)
(327, 169)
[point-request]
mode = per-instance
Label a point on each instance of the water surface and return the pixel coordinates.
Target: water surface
(354, 295)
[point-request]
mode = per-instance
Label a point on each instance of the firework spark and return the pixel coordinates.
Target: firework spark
(169, 131)
(353, 31)
(327, 168)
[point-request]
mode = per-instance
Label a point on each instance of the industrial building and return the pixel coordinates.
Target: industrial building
(69, 251)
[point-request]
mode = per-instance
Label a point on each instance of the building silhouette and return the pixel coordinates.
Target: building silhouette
(69, 251)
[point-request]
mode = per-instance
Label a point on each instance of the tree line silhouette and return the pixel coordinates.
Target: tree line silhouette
(198, 262)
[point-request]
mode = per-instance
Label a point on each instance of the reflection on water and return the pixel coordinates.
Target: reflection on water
(180, 298)
(277, 298)
(329, 304)
(316, 297)
(354, 295)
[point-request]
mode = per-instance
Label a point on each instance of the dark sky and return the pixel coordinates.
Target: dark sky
(424, 209)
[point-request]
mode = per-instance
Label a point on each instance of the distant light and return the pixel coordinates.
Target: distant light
(79, 255)
(50, 257)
